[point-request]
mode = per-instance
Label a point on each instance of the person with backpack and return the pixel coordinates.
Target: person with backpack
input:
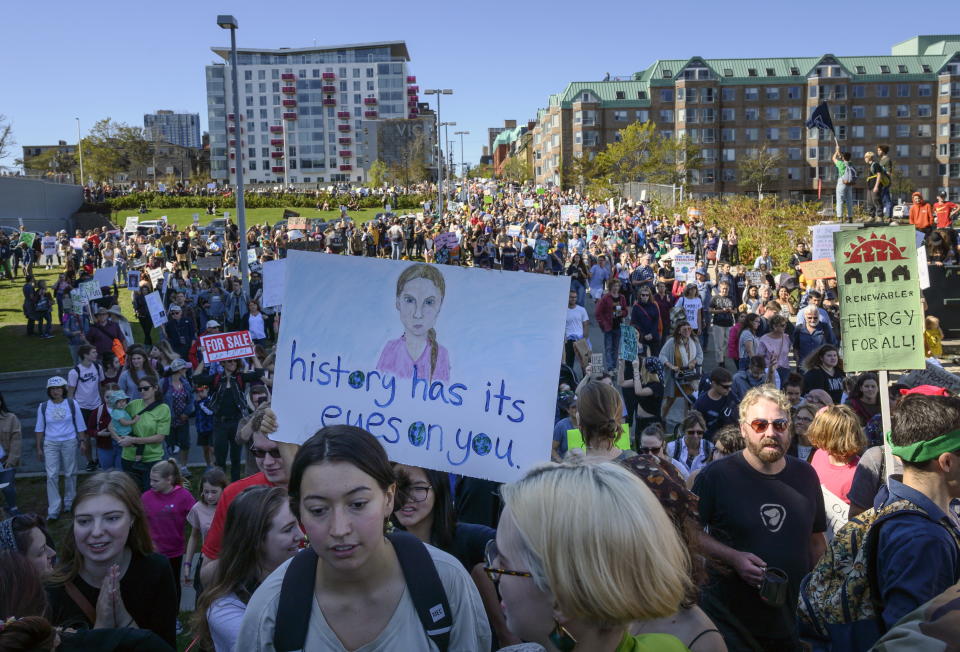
(59, 424)
(846, 179)
(893, 558)
(229, 402)
(354, 587)
(764, 515)
(84, 383)
(877, 181)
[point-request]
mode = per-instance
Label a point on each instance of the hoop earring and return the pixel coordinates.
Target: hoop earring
(561, 638)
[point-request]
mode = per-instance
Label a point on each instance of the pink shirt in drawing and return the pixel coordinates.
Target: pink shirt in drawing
(396, 360)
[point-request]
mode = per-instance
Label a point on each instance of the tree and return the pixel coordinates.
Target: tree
(760, 169)
(516, 169)
(581, 171)
(114, 147)
(482, 171)
(6, 140)
(53, 161)
(377, 174)
(902, 187)
(642, 154)
(410, 167)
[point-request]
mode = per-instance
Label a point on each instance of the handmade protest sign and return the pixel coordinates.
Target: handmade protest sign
(754, 277)
(528, 203)
(209, 262)
(446, 240)
(410, 359)
(91, 290)
(629, 343)
(487, 199)
(541, 248)
(155, 305)
(131, 224)
(218, 347)
(155, 275)
(684, 266)
(274, 276)
(814, 269)
(881, 316)
(569, 213)
(823, 241)
(923, 268)
(296, 222)
(76, 243)
(133, 278)
(514, 230)
(27, 238)
(105, 276)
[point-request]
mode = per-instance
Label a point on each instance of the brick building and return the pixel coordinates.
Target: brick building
(909, 100)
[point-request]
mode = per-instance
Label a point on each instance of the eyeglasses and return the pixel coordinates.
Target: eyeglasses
(260, 453)
(145, 388)
(695, 432)
(649, 450)
(490, 554)
(760, 425)
(418, 494)
(725, 385)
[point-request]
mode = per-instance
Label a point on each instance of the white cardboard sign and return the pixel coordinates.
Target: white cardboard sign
(155, 305)
(274, 277)
(440, 385)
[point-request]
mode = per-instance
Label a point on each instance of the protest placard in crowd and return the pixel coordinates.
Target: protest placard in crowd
(105, 276)
(91, 290)
(274, 276)
(684, 265)
(155, 305)
(296, 222)
(569, 213)
(218, 347)
(131, 224)
(442, 385)
(816, 269)
(209, 262)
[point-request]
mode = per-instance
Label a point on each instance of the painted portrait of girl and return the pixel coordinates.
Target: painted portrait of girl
(419, 298)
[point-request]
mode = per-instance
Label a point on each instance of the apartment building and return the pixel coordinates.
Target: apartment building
(909, 100)
(181, 129)
(302, 110)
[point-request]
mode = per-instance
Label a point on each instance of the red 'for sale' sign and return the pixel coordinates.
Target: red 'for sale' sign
(226, 346)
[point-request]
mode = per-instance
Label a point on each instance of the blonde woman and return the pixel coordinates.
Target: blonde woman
(839, 439)
(556, 596)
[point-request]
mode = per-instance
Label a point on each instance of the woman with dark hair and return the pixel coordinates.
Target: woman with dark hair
(108, 575)
(260, 534)
(27, 534)
(864, 398)
(137, 367)
(342, 490)
(11, 441)
(579, 274)
(143, 447)
(748, 344)
(681, 356)
(426, 511)
(22, 605)
(824, 370)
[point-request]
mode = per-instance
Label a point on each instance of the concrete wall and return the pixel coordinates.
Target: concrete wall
(43, 206)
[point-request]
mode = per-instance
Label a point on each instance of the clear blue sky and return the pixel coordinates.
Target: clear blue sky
(123, 59)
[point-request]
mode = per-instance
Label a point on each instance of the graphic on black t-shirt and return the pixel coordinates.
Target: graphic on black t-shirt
(773, 516)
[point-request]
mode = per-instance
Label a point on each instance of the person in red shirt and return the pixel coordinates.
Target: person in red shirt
(838, 439)
(921, 213)
(946, 211)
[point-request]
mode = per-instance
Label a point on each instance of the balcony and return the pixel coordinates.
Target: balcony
(346, 168)
(369, 114)
(344, 128)
(276, 129)
(414, 110)
(278, 169)
(233, 143)
(412, 116)
(370, 101)
(411, 79)
(233, 170)
(413, 98)
(290, 115)
(289, 103)
(231, 129)
(343, 115)
(232, 155)
(230, 117)
(329, 102)
(329, 76)
(276, 142)
(345, 153)
(289, 90)
(328, 88)
(344, 140)
(413, 90)
(276, 154)
(288, 76)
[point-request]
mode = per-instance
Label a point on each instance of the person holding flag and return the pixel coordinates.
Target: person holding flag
(846, 178)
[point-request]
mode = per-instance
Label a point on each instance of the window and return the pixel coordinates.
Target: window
(882, 111)
(795, 133)
(902, 69)
(728, 135)
(728, 94)
(621, 95)
(641, 95)
(729, 175)
(693, 115)
(884, 70)
(858, 112)
(903, 150)
(812, 153)
(793, 174)
(667, 74)
(752, 134)
(666, 115)
(794, 93)
(728, 155)
(708, 175)
(841, 133)
(247, 75)
(751, 93)
(859, 90)
(840, 112)
(881, 131)
(903, 90)
(728, 115)
(708, 135)
(903, 131)
(772, 113)
(643, 115)
(690, 95)
(861, 70)
(794, 113)
(751, 114)
(812, 91)
(794, 70)
(773, 133)
(924, 110)
(728, 72)
(856, 152)
(924, 90)
(882, 90)
(771, 72)
(620, 116)
(707, 115)
(840, 92)
(794, 154)
(751, 72)
(903, 111)
(706, 95)
(666, 94)
(772, 93)
(709, 155)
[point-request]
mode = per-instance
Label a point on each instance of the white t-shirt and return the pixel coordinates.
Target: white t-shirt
(575, 318)
(55, 424)
(257, 331)
(224, 617)
(692, 308)
(86, 385)
(403, 632)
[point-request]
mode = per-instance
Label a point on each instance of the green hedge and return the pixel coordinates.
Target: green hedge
(156, 200)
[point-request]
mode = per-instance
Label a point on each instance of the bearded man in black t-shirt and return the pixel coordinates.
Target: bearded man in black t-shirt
(763, 510)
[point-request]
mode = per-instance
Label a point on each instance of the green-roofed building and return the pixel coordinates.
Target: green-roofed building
(908, 100)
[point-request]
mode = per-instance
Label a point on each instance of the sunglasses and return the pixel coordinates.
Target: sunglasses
(649, 450)
(725, 385)
(760, 425)
(145, 388)
(259, 453)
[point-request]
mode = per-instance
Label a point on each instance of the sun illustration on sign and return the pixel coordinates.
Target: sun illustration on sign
(874, 249)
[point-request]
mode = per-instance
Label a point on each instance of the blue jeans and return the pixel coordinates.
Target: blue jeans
(887, 201)
(396, 250)
(611, 348)
(109, 458)
(845, 196)
(580, 289)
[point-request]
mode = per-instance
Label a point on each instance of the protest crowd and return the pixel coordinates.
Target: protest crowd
(713, 472)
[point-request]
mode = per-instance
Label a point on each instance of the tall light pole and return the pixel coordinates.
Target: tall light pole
(463, 168)
(438, 92)
(80, 149)
(229, 22)
(446, 141)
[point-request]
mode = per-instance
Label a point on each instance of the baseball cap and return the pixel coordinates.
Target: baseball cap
(702, 271)
(176, 308)
(56, 381)
(178, 364)
(213, 323)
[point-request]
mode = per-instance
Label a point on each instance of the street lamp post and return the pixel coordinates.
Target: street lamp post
(80, 149)
(438, 92)
(229, 22)
(463, 167)
(446, 141)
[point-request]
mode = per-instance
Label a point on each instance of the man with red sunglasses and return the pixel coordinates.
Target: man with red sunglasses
(764, 513)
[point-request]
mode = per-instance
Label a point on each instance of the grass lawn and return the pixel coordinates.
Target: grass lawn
(184, 216)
